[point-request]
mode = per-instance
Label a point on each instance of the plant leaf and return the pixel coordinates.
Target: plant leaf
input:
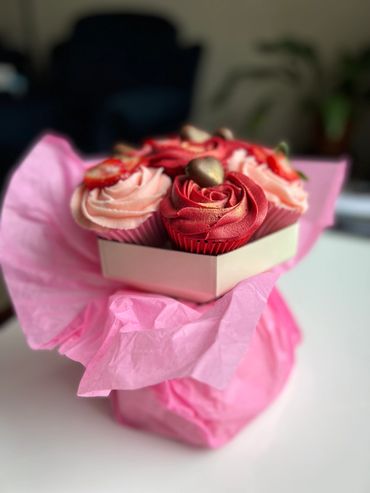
(251, 72)
(353, 73)
(296, 48)
(335, 113)
(258, 114)
(290, 46)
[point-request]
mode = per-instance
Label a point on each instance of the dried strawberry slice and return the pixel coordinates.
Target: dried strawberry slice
(161, 144)
(280, 164)
(259, 152)
(130, 163)
(104, 174)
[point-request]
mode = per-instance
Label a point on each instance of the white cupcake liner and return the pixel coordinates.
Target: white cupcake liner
(276, 218)
(151, 233)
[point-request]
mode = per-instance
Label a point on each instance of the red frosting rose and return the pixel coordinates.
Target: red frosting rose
(173, 154)
(230, 212)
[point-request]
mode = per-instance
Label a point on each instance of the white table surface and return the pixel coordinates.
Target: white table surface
(315, 438)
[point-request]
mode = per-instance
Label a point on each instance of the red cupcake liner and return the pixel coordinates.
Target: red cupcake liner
(276, 218)
(204, 247)
(150, 233)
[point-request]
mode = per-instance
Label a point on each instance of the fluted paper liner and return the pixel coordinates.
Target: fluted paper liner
(276, 218)
(151, 233)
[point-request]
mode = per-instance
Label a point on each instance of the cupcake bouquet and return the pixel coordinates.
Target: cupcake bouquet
(189, 208)
(196, 192)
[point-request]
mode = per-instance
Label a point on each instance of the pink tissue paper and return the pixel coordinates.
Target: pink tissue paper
(196, 373)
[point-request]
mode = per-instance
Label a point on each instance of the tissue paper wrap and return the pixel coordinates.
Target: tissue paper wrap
(164, 357)
(190, 411)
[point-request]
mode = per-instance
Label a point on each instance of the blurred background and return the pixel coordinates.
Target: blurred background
(100, 72)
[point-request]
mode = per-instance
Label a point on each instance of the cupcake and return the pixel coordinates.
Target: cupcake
(208, 213)
(120, 205)
(283, 187)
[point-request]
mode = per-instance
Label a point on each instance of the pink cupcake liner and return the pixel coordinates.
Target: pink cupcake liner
(204, 247)
(277, 218)
(150, 233)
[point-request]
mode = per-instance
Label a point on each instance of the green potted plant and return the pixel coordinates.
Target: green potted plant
(333, 97)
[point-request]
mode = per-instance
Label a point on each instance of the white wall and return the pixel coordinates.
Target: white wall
(227, 27)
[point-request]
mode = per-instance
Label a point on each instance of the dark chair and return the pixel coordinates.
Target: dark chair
(118, 76)
(122, 76)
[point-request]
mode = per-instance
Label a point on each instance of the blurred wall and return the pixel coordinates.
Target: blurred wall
(227, 28)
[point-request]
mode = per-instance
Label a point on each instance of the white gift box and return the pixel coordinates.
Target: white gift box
(192, 276)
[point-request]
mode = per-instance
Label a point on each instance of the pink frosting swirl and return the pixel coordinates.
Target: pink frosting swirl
(280, 192)
(124, 205)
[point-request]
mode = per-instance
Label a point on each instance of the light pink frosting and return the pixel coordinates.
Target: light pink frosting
(124, 205)
(277, 190)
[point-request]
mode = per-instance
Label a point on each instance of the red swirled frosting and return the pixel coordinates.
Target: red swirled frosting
(173, 154)
(233, 210)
